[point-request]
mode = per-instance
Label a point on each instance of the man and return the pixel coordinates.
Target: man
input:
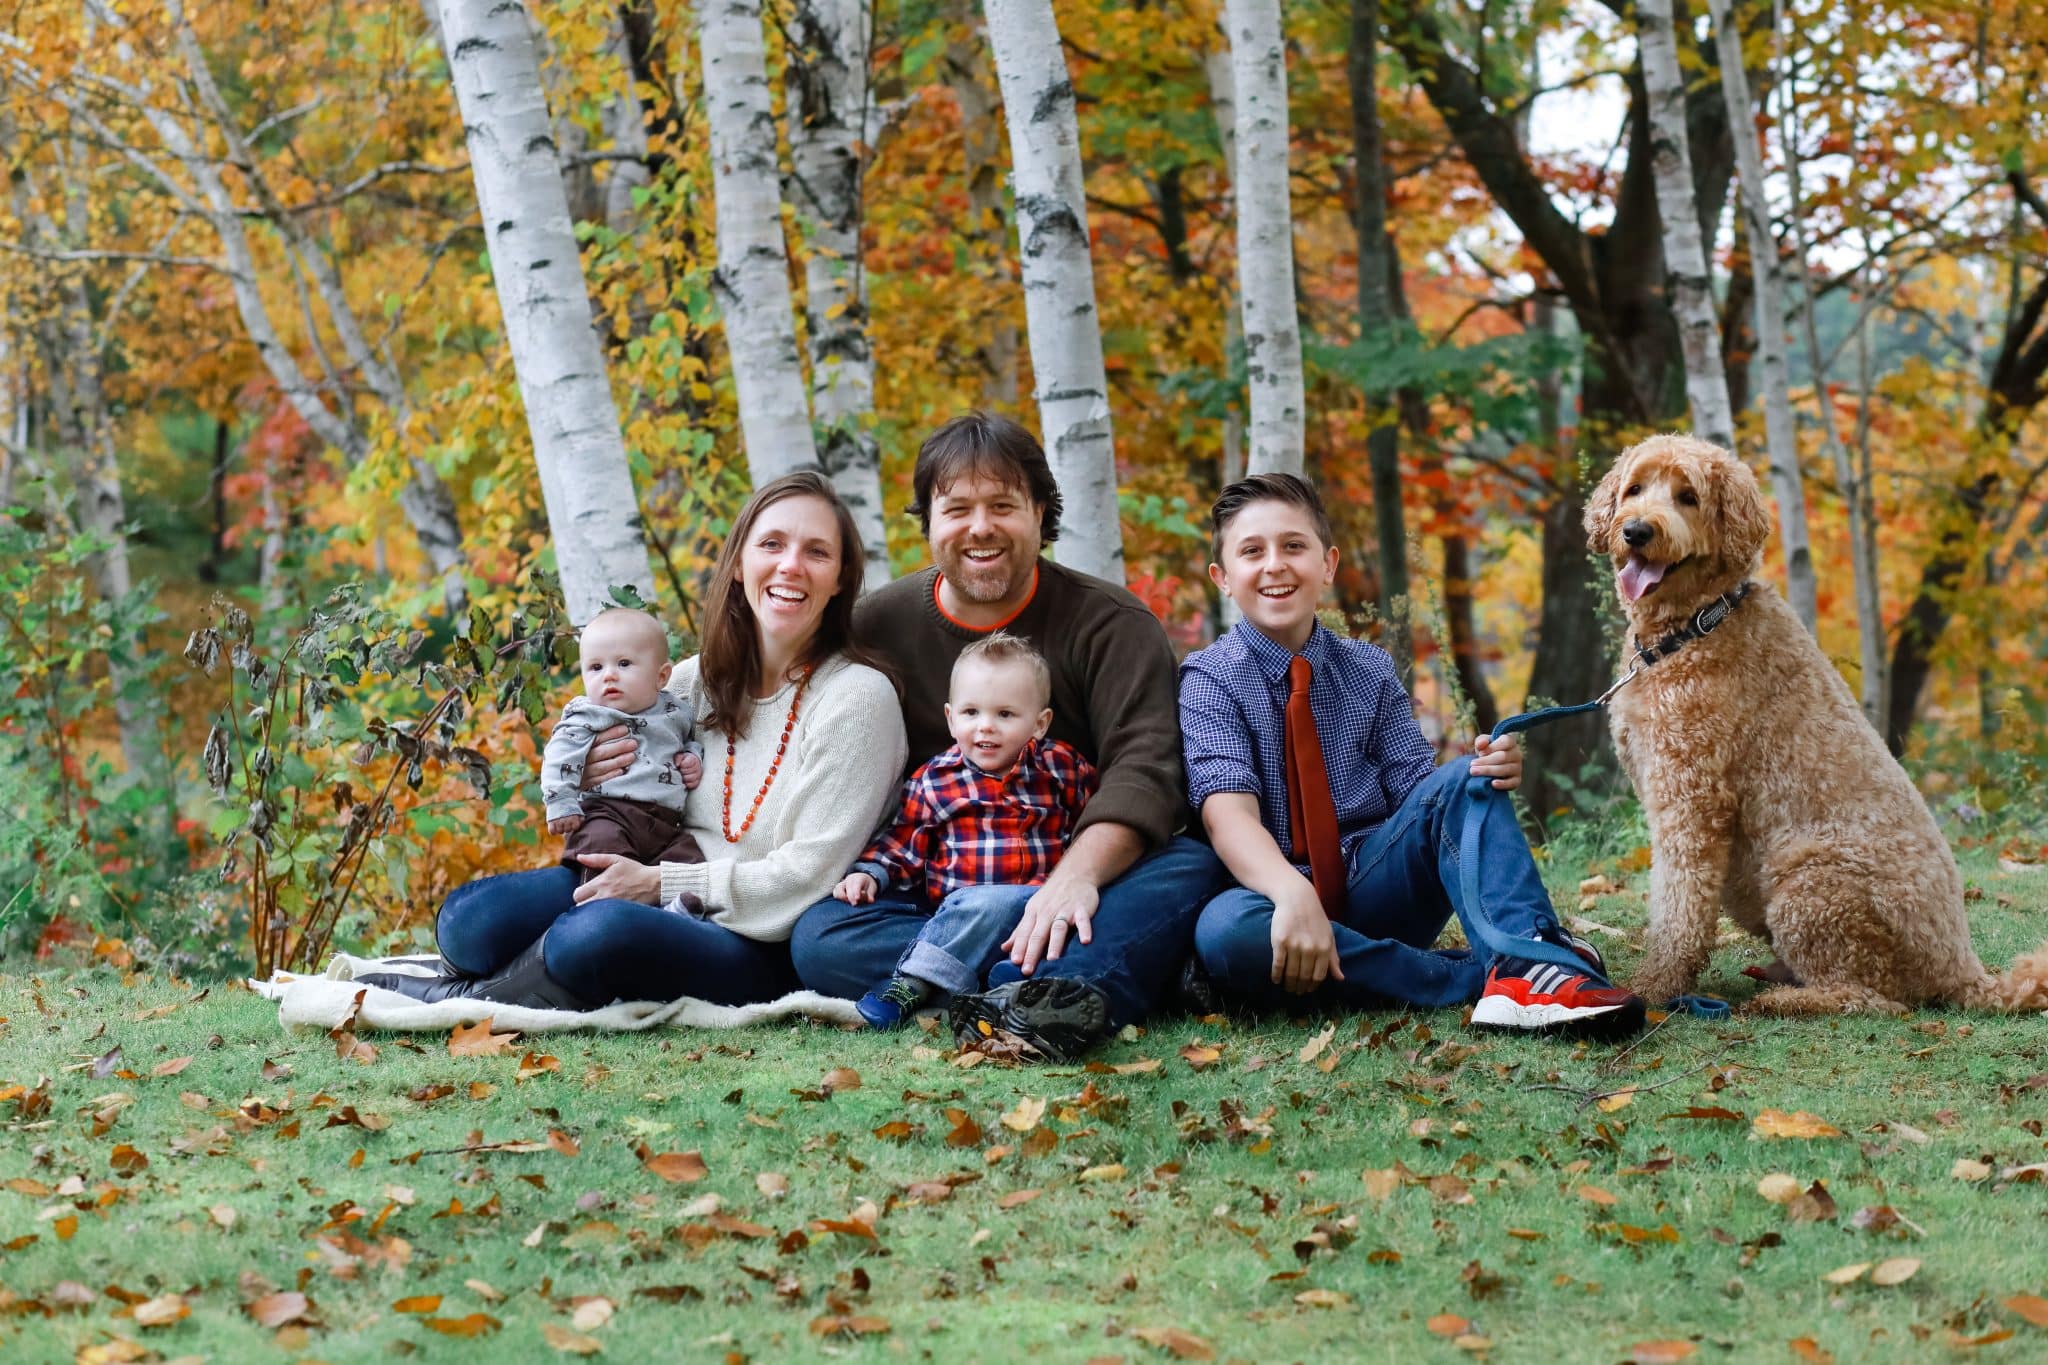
(1099, 942)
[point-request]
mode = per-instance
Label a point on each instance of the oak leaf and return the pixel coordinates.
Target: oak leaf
(477, 1040)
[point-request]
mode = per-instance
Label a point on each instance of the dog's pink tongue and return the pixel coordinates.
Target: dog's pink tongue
(1638, 576)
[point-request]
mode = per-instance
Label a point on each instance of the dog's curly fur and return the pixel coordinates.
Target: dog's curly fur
(1770, 797)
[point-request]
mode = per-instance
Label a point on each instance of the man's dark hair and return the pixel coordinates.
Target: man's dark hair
(980, 443)
(1288, 488)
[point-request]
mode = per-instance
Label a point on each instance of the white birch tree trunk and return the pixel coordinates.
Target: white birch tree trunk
(752, 279)
(827, 81)
(1787, 484)
(1265, 237)
(593, 514)
(1223, 105)
(1685, 252)
(1060, 316)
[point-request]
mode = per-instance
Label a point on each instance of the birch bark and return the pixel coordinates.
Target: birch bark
(1265, 237)
(586, 482)
(1685, 252)
(1059, 281)
(1223, 104)
(752, 279)
(827, 82)
(1787, 484)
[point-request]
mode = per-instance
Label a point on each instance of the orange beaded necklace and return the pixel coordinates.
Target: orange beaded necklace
(725, 809)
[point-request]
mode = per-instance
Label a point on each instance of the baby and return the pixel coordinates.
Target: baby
(980, 828)
(640, 812)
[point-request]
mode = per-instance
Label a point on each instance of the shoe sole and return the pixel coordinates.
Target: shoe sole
(1574, 1021)
(976, 1019)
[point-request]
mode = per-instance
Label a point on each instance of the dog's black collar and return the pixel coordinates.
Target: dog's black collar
(1703, 623)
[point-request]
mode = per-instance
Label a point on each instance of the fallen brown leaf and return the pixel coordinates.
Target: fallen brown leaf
(1183, 1344)
(170, 1068)
(1897, 1270)
(1448, 1325)
(840, 1078)
(418, 1303)
(678, 1168)
(1660, 1352)
(1015, 1198)
(477, 1040)
(1776, 1123)
(162, 1311)
(275, 1310)
(569, 1342)
(473, 1325)
(2032, 1307)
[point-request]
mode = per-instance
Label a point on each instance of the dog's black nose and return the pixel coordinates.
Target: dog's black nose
(1637, 533)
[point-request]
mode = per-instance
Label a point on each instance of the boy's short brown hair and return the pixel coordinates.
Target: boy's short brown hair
(1291, 489)
(1001, 647)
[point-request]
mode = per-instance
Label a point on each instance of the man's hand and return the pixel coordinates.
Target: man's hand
(1499, 759)
(855, 888)
(619, 878)
(611, 753)
(1304, 949)
(692, 769)
(1063, 907)
(565, 824)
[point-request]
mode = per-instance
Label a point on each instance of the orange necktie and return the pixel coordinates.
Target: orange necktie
(1311, 811)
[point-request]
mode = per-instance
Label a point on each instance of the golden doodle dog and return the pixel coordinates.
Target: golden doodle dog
(1770, 797)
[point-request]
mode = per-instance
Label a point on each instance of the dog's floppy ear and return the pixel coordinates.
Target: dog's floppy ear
(1600, 508)
(1739, 508)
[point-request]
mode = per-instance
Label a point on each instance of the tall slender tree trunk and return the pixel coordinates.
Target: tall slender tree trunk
(1265, 237)
(1862, 530)
(1380, 320)
(971, 77)
(752, 280)
(827, 81)
(1223, 105)
(593, 514)
(1787, 484)
(1060, 315)
(1685, 252)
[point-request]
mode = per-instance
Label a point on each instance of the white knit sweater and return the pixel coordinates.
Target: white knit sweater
(838, 779)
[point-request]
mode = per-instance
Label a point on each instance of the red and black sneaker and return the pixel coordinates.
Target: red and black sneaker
(1541, 997)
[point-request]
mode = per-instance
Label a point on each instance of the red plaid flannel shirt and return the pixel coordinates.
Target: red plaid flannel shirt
(960, 826)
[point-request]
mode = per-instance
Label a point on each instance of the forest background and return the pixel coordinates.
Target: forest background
(305, 473)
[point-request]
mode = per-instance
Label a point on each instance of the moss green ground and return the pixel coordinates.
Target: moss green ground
(1247, 1204)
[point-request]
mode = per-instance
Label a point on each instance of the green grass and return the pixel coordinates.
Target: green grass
(1207, 1229)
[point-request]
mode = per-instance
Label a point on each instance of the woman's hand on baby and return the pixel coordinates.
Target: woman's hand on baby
(1499, 759)
(565, 824)
(619, 878)
(855, 888)
(611, 753)
(692, 769)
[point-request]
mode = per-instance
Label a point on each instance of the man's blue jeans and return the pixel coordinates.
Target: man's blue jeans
(1404, 887)
(607, 949)
(1141, 932)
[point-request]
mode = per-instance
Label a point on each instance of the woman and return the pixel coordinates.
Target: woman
(803, 747)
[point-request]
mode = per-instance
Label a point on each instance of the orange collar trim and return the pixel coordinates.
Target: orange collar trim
(939, 603)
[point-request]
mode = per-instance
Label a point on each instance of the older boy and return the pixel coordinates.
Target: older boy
(1323, 799)
(980, 828)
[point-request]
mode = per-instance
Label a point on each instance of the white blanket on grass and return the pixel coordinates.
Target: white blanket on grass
(324, 1001)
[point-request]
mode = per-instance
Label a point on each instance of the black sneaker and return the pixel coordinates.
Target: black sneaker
(1046, 1019)
(890, 1006)
(1197, 992)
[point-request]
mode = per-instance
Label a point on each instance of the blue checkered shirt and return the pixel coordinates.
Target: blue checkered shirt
(1233, 723)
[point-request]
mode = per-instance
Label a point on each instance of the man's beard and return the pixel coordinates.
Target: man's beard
(997, 582)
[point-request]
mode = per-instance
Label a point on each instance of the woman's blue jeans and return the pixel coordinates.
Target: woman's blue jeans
(606, 950)
(1404, 887)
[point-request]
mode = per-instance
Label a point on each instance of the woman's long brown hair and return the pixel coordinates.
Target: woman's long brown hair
(729, 661)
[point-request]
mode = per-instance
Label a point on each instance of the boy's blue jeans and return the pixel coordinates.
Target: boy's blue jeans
(960, 940)
(1141, 930)
(1404, 887)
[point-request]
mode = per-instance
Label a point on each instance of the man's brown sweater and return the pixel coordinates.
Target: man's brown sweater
(1112, 683)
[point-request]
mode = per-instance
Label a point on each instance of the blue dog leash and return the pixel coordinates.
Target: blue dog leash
(1494, 805)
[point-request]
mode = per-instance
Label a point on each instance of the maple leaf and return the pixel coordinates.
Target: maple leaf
(477, 1040)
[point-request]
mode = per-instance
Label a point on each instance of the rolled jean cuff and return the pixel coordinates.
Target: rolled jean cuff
(928, 962)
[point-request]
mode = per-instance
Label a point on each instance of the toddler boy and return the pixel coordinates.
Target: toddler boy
(1324, 800)
(980, 828)
(625, 665)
